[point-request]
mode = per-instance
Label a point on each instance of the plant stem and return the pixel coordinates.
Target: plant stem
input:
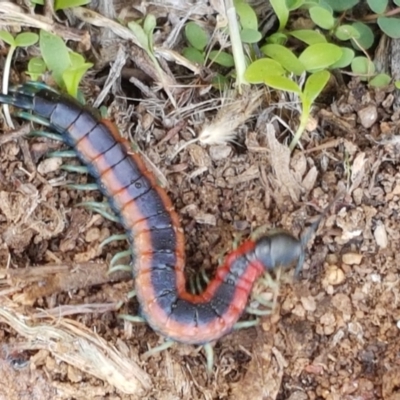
(237, 48)
(305, 113)
(6, 79)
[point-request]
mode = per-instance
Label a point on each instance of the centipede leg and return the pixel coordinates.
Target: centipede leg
(79, 169)
(83, 186)
(246, 324)
(48, 135)
(99, 208)
(166, 345)
(209, 352)
(113, 238)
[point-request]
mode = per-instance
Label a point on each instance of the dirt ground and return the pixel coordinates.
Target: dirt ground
(333, 333)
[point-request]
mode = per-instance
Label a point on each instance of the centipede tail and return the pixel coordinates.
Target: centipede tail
(153, 227)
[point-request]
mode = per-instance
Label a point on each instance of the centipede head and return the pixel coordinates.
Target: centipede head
(278, 250)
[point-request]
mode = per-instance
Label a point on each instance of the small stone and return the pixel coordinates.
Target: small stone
(49, 165)
(309, 303)
(368, 116)
(220, 152)
(352, 258)
(380, 235)
(334, 276)
(92, 235)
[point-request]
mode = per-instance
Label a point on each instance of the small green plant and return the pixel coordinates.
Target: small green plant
(67, 67)
(62, 4)
(24, 39)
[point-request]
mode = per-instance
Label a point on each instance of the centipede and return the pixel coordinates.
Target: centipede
(153, 226)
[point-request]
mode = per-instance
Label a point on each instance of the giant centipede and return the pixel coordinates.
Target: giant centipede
(153, 226)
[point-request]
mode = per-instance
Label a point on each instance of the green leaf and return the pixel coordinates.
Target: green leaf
(390, 26)
(8, 38)
(26, 39)
(322, 17)
(294, 4)
(320, 56)
(308, 36)
(149, 24)
(258, 70)
(397, 84)
(342, 5)
(220, 82)
(193, 55)
(282, 83)
(363, 67)
(281, 11)
(76, 59)
(222, 58)
(62, 4)
(284, 56)
(247, 16)
(196, 36)
(366, 39)
(72, 76)
(315, 84)
(40, 2)
(277, 38)
(55, 54)
(347, 32)
(345, 60)
(380, 80)
(250, 36)
(397, 2)
(140, 35)
(378, 6)
(36, 67)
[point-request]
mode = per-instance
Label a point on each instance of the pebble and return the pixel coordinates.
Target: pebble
(334, 276)
(380, 235)
(368, 116)
(352, 258)
(220, 152)
(49, 165)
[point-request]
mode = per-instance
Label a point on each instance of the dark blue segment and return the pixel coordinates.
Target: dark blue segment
(163, 280)
(65, 114)
(45, 102)
(166, 299)
(159, 221)
(127, 173)
(115, 155)
(100, 138)
(163, 240)
(163, 260)
(149, 203)
(205, 313)
(184, 312)
(84, 124)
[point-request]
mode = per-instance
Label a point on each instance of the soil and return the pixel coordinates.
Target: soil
(332, 333)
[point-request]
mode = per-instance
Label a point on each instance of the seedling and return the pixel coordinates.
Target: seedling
(62, 4)
(67, 67)
(21, 40)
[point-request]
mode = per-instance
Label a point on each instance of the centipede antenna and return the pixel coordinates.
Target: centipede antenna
(83, 186)
(132, 318)
(79, 169)
(118, 256)
(33, 118)
(62, 153)
(166, 345)
(120, 267)
(48, 135)
(113, 238)
(246, 324)
(209, 352)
